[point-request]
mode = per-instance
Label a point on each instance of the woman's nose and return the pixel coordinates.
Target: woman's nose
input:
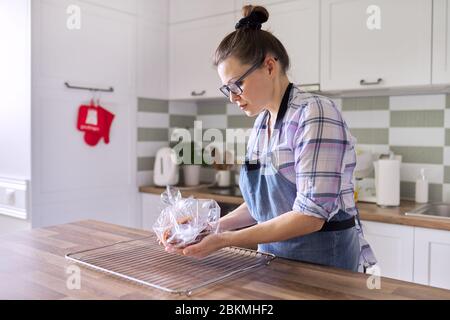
(234, 97)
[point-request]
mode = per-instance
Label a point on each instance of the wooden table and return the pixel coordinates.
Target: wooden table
(32, 266)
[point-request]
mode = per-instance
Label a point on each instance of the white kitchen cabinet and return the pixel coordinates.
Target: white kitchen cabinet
(152, 49)
(192, 46)
(441, 42)
(128, 6)
(285, 18)
(182, 10)
(296, 25)
(240, 3)
(152, 60)
(151, 208)
(432, 257)
(360, 51)
(153, 11)
(393, 246)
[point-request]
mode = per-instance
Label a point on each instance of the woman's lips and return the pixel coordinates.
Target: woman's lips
(243, 106)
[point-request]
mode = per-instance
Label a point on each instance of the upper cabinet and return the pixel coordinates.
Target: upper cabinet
(153, 11)
(192, 46)
(441, 42)
(129, 6)
(240, 3)
(152, 48)
(344, 45)
(375, 44)
(182, 10)
(152, 60)
(296, 25)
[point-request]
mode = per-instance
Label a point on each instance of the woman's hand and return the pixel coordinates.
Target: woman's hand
(208, 245)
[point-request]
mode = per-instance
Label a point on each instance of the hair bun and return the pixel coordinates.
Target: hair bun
(254, 17)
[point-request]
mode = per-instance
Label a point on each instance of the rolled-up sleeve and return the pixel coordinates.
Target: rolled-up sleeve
(319, 144)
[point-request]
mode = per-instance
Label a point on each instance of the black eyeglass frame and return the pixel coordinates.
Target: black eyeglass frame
(225, 89)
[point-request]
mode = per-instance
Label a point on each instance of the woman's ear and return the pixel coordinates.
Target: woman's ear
(271, 65)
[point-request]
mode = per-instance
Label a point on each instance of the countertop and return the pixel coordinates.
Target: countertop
(368, 211)
(32, 266)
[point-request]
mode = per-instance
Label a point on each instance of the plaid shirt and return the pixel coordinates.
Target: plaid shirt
(312, 147)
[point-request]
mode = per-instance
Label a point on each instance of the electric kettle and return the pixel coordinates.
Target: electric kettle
(165, 171)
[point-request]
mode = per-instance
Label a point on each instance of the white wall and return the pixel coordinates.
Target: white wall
(72, 181)
(15, 83)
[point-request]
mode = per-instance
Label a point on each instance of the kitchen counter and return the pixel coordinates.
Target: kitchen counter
(32, 266)
(367, 211)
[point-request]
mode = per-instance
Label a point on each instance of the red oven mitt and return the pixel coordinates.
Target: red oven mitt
(105, 119)
(88, 119)
(95, 122)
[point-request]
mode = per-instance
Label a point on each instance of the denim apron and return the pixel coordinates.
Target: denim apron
(269, 194)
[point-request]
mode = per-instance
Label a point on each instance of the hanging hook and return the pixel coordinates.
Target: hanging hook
(93, 98)
(98, 98)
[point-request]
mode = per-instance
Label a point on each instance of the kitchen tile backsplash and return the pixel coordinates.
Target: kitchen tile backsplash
(414, 126)
(168, 116)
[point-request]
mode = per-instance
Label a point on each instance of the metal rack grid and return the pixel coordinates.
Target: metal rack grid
(145, 262)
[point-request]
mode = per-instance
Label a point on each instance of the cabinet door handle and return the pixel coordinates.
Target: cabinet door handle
(365, 83)
(197, 94)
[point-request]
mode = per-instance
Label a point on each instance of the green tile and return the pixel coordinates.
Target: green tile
(153, 105)
(435, 192)
(211, 107)
(180, 121)
(446, 174)
(240, 121)
(421, 118)
(145, 163)
(365, 103)
(447, 100)
(371, 136)
(408, 191)
(447, 137)
(153, 134)
(432, 155)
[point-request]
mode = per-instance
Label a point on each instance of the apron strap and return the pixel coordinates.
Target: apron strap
(338, 225)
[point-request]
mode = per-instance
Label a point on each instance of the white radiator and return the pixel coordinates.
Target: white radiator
(14, 198)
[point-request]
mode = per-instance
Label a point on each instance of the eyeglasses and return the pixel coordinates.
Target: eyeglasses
(235, 86)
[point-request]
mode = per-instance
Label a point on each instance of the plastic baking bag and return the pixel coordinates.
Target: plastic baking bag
(185, 221)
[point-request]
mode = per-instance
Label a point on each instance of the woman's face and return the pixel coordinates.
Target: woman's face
(257, 87)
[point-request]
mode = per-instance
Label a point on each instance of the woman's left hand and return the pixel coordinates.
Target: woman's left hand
(208, 245)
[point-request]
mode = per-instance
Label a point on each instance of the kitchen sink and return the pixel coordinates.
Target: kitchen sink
(432, 210)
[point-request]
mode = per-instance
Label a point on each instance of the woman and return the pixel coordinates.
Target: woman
(297, 180)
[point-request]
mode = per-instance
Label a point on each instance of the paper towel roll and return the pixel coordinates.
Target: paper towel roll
(388, 182)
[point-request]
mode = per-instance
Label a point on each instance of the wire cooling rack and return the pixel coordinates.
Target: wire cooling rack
(145, 262)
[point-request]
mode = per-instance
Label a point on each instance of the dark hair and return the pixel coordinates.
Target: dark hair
(248, 43)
